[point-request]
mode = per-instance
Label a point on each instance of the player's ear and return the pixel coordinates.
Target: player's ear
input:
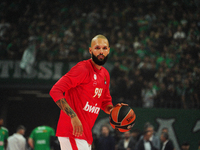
(90, 50)
(108, 50)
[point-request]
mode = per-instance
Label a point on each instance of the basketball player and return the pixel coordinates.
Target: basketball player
(41, 138)
(80, 94)
(3, 135)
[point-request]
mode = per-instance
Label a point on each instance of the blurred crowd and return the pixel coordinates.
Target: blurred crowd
(43, 138)
(147, 139)
(154, 43)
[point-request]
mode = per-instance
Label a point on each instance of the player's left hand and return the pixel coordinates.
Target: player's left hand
(118, 104)
(121, 104)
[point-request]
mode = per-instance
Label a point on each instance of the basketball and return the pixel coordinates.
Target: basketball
(122, 118)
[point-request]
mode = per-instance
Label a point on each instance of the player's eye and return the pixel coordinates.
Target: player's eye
(97, 47)
(105, 48)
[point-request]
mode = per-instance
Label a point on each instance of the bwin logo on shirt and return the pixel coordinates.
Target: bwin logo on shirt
(91, 109)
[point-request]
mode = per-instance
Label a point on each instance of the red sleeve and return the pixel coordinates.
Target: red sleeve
(107, 97)
(70, 80)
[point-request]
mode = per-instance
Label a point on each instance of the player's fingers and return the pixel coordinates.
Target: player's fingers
(81, 130)
(123, 104)
(111, 109)
(117, 104)
(78, 131)
(74, 130)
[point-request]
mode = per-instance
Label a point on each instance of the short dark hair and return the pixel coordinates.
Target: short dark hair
(148, 125)
(165, 135)
(20, 127)
(185, 143)
(164, 128)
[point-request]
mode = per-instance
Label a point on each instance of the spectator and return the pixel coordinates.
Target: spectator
(105, 141)
(28, 58)
(165, 129)
(41, 138)
(148, 95)
(3, 135)
(136, 43)
(127, 143)
(3, 27)
(144, 143)
(136, 133)
(153, 137)
(179, 34)
(166, 143)
(185, 146)
(17, 140)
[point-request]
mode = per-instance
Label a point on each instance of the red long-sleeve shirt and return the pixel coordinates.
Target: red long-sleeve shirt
(86, 90)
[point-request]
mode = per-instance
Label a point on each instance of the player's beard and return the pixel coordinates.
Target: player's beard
(99, 62)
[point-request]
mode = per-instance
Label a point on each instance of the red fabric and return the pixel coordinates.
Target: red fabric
(73, 143)
(86, 90)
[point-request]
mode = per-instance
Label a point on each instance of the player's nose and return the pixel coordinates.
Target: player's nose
(101, 51)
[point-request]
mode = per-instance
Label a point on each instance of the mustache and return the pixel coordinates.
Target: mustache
(99, 61)
(101, 55)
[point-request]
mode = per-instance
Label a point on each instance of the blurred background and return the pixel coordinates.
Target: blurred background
(154, 62)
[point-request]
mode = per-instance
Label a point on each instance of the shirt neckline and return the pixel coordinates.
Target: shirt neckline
(95, 69)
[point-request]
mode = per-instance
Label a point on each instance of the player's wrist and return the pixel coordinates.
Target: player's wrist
(73, 116)
(109, 109)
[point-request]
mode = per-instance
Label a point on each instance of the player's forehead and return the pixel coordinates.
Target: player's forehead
(99, 42)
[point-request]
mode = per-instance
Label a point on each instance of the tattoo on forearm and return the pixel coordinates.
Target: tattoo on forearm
(59, 105)
(62, 104)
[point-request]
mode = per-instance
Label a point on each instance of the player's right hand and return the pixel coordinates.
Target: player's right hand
(77, 126)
